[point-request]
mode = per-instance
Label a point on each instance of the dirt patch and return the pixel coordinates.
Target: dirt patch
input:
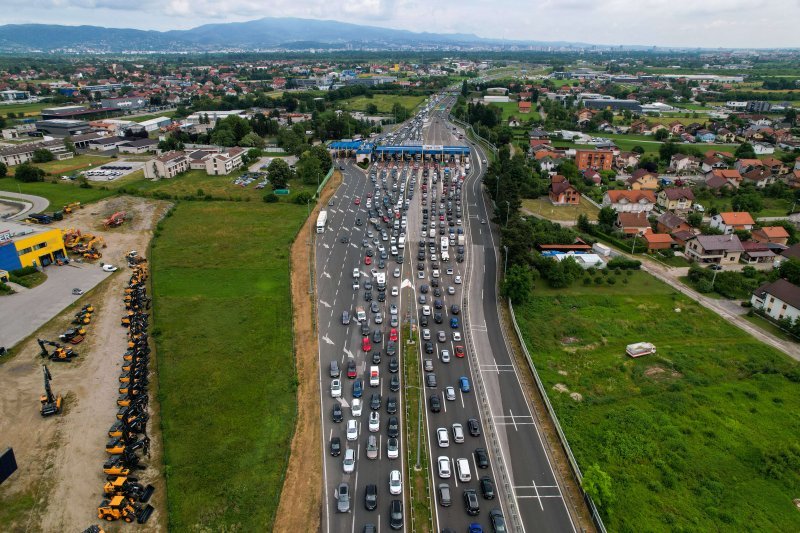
(563, 373)
(301, 497)
(577, 396)
(570, 340)
(560, 387)
(660, 373)
(60, 458)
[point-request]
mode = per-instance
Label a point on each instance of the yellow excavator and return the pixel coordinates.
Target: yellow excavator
(51, 404)
(70, 208)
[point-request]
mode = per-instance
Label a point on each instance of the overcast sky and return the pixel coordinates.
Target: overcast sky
(707, 23)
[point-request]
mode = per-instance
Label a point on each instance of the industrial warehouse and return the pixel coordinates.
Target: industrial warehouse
(23, 245)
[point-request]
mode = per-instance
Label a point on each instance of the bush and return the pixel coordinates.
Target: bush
(611, 281)
(598, 280)
(587, 281)
(271, 198)
(24, 271)
(302, 198)
(624, 263)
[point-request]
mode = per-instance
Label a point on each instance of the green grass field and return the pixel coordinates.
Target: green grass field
(384, 102)
(68, 166)
(511, 109)
(545, 209)
(142, 118)
(30, 109)
(702, 436)
(59, 194)
(223, 328)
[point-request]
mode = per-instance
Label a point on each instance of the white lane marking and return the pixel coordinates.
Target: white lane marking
(326, 339)
(348, 353)
(326, 275)
(324, 303)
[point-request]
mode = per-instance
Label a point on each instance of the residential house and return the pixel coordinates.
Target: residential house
(594, 159)
(22, 153)
(732, 221)
(547, 163)
(713, 162)
(585, 115)
(224, 163)
(562, 192)
(792, 252)
(676, 199)
(756, 252)
(168, 165)
(744, 165)
(524, 107)
(538, 133)
(592, 177)
(724, 135)
(779, 299)
(760, 177)
(630, 201)
(641, 179)
(658, 241)
(705, 136)
(638, 126)
(633, 223)
(682, 237)
(775, 166)
(138, 146)
(714, 249)
(534, 143)
(670, 223)
(624, 160)
(773, 234)
(682, 163)
(763, 148)
(725, 173)
(676, 128)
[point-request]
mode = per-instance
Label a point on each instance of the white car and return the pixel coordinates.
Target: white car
(451, 290)
(426, 334)
(449, 271)
(336, 388)
(395, 482)
(442, 437)
(458, 280)
(109, 268)
(456, 336)
(349, 462)
(443, 463)
(393, 448)
(396, 272)
(352, 430)
(393, 309)
(421, 274)
(450, 393)
(374, 421)
(426, 310)
(378, 318)
(395, 291)
(436, 274)
(458, 433)
(445, 356)
(356, 406)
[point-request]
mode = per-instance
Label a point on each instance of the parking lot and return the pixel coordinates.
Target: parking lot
(114, 170)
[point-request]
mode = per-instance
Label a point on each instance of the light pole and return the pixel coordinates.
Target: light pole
(508, 210)
(633, 246)
(714, 278)
(505, 264)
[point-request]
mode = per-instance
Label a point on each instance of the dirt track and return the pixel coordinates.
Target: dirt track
(60, 458)
(299, 508)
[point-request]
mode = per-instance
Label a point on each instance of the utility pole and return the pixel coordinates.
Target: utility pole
(634, 242)
(505, 265)
(714, 278)
(508, 209)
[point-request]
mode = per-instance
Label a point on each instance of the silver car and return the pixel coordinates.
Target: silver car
(342, 495)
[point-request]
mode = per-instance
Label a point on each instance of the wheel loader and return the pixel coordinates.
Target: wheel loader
(121, 508)
(123, 486)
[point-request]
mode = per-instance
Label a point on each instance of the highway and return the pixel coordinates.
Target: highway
(536, 493)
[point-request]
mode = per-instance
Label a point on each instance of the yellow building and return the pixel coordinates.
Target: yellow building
(23, 245)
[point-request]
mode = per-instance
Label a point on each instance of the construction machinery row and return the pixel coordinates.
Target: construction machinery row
(86, 245)
(44, 218)
(124, 497)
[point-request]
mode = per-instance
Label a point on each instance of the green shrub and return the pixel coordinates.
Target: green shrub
(24, 271)
(598, 280)
(271, 198)
(624, 263)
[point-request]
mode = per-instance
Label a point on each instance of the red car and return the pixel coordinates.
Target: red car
(459, 351)
(367, 260)
(357, 201)
(393, 335)
(351, 369)
(365, 344)
(369, 195)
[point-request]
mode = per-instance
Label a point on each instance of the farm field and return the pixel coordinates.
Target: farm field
(702, 435)
(223, 329)
(384, 102)
(33, 109)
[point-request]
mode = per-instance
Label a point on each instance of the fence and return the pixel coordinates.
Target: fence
(471, 132)
(324, 181)
(576, 471)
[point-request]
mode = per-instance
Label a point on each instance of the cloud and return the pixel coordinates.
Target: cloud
(689, 23)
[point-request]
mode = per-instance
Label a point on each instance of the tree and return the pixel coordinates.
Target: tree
(323, 156)
(371, 109)
(597, 484)
(279, 173)
(309, 169)
(637, 149)
(667, 150)
(42, 155)
(751, 202)
(252, 139)
(464, 88)
(517, 284)
(170, 144)
(607, 217)
(583, 223)
(661, 135)
(790, 271)
(28, 173)
(3, 170)
(695, 219)
(70, 146)
(745, 151)
(223, 137)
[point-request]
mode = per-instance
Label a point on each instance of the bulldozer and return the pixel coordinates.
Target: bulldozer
(115, 220)
(124, 486)
(73, 335)
(51, 404)
(117, 445)
(60, 354)
(122, 508)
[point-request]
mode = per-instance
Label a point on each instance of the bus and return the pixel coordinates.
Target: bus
(322, 219)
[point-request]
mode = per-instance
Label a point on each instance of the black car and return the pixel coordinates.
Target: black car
(437, 292)
(421, 256)
(375, 401)
(371, 497)
(394, 365)
(423, 289)
(377, 336)
(423, 321)
(364, 329)
(382, 296)
(370, 253)
(345, 239)
(454, 309)
(471, 503)
(438, 304)
(376, 358)
(391, 348)
(434, 282)
(396, 514)
(420, 266)
(391, 405)
(337, 412)
(394, 383)
(474, 427)
(435, 403)
(336, 446)
(393, 428)
(481, 458)
(367, 296)
(428, 347)
(497, 521)
(487, 488)
(368, 285)
(437, 317)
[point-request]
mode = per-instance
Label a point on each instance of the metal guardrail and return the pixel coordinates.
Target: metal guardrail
(576, 470)
(470, 130)
(324, 181)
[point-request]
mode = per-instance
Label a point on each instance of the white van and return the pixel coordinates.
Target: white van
(374, 376)
(361, 316)
(356, 273)
(432, 234)
(401, 243)
(394, 250)
(462, 469)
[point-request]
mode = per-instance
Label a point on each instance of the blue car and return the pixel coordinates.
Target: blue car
(463, 382)
(454, 322)
(475, 528)
(358, 388)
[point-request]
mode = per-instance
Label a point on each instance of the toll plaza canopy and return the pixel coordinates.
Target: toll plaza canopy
(361, 147)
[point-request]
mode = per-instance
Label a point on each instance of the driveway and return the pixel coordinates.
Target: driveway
(36, 204)
(26, 311)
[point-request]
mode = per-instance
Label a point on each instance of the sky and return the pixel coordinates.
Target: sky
(685, 23)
